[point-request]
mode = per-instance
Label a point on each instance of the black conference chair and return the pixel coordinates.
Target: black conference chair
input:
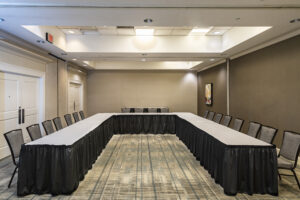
(226, 120)
(81, 113)
(211, 115)
(238, 123)
(34, 132)
(138, 110)
(68, 119)
(76, 117)
(57, 123)
(14, 140)
(164, 110)
(253, 129)
(289, 152)
(145, 110)
(125, 110)
(152, 110)
(267, 134)
(218, 118)
(205, 114)
(48, 127)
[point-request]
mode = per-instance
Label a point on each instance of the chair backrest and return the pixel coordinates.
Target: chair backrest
(238, 123)
(267, 134)
(57, 123)
(68, 119)
(205, 114)
(81, 113)
(138, 110)
(290, 146)
(145, 110)
(226, 120)
(218, 118)
(48, 127)
(14, 140)
(34, 132)
(125, 110)
(76, 116)
(211, 115)
(164, 110)
(152, 110)
(253, 129)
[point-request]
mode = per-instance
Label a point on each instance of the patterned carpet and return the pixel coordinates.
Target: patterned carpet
(146, 167)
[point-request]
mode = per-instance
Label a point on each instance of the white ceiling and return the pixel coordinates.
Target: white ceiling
(155, 3)
(172, 21)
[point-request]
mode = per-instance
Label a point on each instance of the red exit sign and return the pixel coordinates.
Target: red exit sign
(49, 37)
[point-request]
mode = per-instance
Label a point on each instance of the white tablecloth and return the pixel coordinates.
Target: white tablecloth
(73, 133)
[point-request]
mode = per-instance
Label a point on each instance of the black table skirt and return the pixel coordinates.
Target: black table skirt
(58, 169)
(244, 169)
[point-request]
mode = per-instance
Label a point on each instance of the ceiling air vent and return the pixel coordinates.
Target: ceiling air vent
(125, 27)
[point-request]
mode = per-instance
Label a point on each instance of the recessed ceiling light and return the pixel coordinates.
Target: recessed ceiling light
(200, 30)
(144, 32)
(84, 65)
(74, 59)
(217, 33)
(148, 20)
(295, 20)
(143, 59)
(212, 59)
(2, 20)
(71, 32)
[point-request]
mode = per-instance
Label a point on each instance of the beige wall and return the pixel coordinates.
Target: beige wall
(216, 76)
(51, 91)
(108, 91)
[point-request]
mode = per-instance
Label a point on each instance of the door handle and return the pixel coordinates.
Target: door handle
(19, 115)
(23, 116)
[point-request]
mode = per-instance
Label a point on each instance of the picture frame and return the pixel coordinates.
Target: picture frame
(208, 94)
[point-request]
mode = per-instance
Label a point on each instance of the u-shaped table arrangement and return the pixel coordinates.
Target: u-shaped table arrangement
(56, 163)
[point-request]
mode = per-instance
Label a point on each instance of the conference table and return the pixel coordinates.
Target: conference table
(56, 163)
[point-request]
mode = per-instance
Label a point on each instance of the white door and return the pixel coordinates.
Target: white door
(17, 93)
(74, 98)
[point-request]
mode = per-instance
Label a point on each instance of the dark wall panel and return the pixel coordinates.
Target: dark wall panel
(265, 86)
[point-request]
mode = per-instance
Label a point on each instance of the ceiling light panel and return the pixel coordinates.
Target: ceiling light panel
(72, 31)
(144, 32)
(218, 31)
(199, 31)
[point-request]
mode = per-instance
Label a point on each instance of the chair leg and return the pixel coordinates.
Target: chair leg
(296, 178)
(279, 175)
(12, 177)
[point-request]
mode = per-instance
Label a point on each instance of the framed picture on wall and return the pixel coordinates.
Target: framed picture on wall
(208, 94)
